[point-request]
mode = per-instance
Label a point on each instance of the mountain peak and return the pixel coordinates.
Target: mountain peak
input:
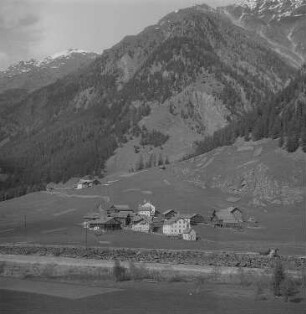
(68, 52)
(32, 74)
(279, 5)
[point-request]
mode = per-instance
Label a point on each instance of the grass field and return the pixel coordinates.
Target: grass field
(56, 218)
(140, 297)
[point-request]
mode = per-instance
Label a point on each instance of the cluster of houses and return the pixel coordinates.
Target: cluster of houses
(150, 220)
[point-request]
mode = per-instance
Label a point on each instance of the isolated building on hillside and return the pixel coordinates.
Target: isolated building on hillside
(147, 209)
(190, 235)
(106, 224)
(176, 226)
(230, 217)
(86, 183)
(142, 225)
(170, 213)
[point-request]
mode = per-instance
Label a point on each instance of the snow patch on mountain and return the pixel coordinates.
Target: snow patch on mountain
(54, 61)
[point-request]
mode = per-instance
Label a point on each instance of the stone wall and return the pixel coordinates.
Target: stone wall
(187, 257)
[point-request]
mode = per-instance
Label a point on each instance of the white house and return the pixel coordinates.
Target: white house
(189, 235)
(142, 225)
(146, 209)
(176, 226)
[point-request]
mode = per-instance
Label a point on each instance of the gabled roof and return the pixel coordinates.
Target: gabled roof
(103, 221)
(121, 214)
(122, 207)
(169, 211)
(188, 231)
(143, 220)
(233, 208)
(92, 216)
(173, 220)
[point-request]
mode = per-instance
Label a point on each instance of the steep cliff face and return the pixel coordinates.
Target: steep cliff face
(281, 24)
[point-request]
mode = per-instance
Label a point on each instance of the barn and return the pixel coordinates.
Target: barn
(230, 217)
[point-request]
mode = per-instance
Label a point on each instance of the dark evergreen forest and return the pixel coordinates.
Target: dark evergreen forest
(280, 117)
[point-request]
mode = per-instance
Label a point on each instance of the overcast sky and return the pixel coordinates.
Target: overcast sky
(38, 28)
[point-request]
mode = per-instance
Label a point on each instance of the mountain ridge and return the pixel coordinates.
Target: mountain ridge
(33, 74)
(281, 24)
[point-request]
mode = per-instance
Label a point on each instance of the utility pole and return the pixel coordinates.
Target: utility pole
(25, 226)
(86, 238)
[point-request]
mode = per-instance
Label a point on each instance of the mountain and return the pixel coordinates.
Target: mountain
(280, 23)
(33, 74)
(152, 94)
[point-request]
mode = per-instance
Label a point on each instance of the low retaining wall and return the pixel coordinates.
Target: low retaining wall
(77, 268)
(173, 257)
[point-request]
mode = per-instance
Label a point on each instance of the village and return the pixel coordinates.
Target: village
(147, 218)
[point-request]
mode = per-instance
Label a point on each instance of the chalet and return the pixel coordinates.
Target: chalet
(176, 226)
(142, 225)
(147, 209)
(104, 224)
(190, 235)
(230, 217)
(124, 217)
(194, 218)
(170, 213)
(119, 208)
(86, 183)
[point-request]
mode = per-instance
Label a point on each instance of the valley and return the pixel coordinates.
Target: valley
(254, 182)
(166, 174)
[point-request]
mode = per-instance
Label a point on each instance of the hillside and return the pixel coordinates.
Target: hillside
(266, 182)
(281, 24)
(283, 117)
(194, 68)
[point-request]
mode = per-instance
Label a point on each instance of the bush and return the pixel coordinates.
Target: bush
(278, 277)
(119, 272)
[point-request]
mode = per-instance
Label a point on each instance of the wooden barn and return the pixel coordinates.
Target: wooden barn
(104, 224)
(230, 217)
(115, 209)
(124, 217)
(195, 218)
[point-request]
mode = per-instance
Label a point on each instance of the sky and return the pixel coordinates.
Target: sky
(40, 28)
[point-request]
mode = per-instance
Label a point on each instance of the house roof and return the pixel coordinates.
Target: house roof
(188, 231)
(92, 216)
(121, 214)
(104, 221)
(84, 181)
(122, 207)
(173, 220)
(143, 220)
(169, 211)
